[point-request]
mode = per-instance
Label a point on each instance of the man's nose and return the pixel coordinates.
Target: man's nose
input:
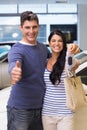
(31, 30)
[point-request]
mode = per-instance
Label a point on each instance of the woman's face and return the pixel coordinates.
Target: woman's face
(56, 44)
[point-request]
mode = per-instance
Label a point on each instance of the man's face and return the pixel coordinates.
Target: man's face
(30, 31)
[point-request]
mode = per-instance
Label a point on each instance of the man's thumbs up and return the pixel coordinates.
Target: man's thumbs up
(18, 65)
(16, 73)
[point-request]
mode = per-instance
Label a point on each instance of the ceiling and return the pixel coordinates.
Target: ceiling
(40, 1)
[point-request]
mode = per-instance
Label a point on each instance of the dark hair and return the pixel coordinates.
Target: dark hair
(28, 15)
(58, 67)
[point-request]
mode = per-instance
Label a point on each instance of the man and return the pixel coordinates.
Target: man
(27, 60)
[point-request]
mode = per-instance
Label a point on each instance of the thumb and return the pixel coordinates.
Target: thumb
(18, 64)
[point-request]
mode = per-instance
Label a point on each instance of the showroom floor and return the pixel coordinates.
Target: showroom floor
(81, 115)
(4, 94)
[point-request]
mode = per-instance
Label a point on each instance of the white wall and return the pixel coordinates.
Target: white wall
(40, 1)
(82, 19)
(82, 26)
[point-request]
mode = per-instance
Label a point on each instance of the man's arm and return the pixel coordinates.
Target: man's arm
(73, 48)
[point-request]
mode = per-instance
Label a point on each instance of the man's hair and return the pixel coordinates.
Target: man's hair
(28, 15)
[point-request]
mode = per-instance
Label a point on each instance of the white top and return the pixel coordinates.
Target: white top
(55, 97)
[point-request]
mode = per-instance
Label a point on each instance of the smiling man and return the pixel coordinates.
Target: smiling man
(26, 98)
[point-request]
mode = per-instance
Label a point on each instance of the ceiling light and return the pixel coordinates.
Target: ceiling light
(61, 1)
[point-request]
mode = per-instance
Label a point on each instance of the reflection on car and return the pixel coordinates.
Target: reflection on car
(82, 69)
(4, 76)
(4, 49)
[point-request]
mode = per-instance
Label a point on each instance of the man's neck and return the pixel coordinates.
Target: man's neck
(26, 43)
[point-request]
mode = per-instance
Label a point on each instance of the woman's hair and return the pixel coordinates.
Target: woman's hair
(28, 15)
(58, 67)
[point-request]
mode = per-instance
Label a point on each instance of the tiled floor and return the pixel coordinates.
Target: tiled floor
(4, 94)
(81, 115)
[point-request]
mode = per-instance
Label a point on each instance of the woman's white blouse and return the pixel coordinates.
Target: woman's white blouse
(55, 97)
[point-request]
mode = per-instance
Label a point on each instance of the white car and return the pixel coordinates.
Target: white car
(4, 76)
(82, 70)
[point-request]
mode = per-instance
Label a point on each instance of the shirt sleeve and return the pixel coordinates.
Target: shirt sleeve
(13, 56)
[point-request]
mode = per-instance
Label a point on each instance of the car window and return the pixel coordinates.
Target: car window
(82, 56)
(83, 74)
(4, 49)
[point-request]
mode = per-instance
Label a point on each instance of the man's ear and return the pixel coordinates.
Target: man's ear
(21, 27)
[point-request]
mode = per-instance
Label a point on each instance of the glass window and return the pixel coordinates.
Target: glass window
(62, 8)
(9, 33)
(10, 8)
(42, 34)
(9, 26)
(12, 33)
(70, 31)
(37, 8)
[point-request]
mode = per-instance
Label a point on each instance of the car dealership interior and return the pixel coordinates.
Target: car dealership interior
(67, 15)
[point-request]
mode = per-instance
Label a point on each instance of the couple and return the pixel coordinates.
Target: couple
(38, 93)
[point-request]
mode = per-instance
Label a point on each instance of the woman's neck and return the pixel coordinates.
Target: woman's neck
(54, 57)
(52, 61)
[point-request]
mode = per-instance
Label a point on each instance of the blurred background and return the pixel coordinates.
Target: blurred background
(67, 15)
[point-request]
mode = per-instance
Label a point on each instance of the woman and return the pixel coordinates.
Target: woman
(55, 114)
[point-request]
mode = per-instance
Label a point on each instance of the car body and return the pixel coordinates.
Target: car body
(4, 76)
(82, 69)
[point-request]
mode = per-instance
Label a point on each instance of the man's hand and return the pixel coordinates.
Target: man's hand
(16, 73)
(73, 48)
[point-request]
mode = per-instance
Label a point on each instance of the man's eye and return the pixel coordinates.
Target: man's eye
(34, 27)
(27, 27)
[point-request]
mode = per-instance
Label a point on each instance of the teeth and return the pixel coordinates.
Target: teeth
(56, 47)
